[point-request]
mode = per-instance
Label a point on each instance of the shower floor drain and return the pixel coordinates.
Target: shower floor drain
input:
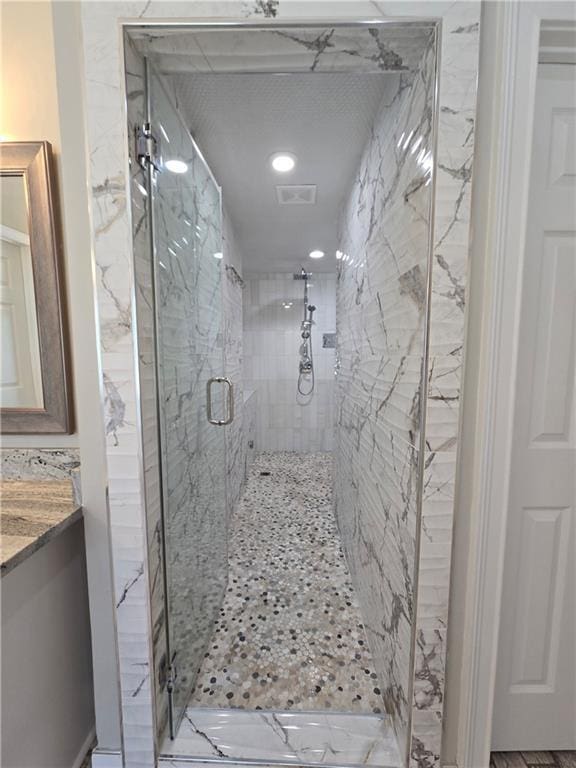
(265, 474)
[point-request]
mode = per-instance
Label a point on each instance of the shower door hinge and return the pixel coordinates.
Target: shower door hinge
(171, 678)
(146, 146)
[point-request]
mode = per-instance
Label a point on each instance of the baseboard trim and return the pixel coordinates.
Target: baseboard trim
(89, 741)
(106, 759)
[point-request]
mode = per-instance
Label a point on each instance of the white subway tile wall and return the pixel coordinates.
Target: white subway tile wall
(273, 311)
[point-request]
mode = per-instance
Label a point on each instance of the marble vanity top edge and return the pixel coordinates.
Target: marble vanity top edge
(32, 513)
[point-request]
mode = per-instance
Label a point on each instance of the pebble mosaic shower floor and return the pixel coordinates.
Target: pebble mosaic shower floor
(289, 634)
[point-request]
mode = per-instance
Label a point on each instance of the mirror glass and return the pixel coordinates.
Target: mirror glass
(21, 373)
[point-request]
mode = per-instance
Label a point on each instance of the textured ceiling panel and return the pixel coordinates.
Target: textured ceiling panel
(239, 121)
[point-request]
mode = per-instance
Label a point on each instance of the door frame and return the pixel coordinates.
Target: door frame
(501, 208)
(433, 19)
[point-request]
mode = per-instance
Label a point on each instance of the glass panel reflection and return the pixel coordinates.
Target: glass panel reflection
(188, 243)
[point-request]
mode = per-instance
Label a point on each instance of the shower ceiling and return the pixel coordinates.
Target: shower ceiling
(324, 119)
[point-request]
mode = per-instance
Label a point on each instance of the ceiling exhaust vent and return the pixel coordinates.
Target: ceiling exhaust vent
(296, 194)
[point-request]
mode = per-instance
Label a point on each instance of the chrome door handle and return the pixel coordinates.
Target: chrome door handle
(230, 417)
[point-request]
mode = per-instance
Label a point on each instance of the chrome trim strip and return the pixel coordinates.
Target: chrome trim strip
(248, 24)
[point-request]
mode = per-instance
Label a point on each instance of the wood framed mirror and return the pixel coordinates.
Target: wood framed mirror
(34, 370)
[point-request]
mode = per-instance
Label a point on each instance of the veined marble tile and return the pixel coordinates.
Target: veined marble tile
(457, 105)
(108, 141)
(321, 49)
(183, 762)
(381, 310)
(302, 738)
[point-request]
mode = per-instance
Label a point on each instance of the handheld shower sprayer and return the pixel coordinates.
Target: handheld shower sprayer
(306, 364)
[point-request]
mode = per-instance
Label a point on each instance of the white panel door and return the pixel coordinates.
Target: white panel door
(20, 372)
(535, 701)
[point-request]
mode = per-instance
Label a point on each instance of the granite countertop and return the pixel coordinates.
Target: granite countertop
(32, 512)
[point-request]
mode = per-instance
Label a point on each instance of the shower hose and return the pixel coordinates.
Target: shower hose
(302, 375)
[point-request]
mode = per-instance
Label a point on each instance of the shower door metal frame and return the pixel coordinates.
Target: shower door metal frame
(397, 21)
(159, 396)
(173, 723)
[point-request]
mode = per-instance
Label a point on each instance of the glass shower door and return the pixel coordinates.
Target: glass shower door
(187, 235)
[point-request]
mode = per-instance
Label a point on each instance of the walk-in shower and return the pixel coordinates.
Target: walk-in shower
(306, 381)
(284, 550)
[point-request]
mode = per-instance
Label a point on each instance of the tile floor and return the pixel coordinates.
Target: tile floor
(552, 759)
(289, 634)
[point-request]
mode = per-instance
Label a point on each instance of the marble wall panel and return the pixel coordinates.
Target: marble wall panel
(381, 315)
(320, 49)
(454, 165)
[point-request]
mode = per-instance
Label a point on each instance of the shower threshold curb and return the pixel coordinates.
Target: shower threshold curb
(173, 761)
(283, 738)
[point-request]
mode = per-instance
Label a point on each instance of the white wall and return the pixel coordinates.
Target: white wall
(87, 375)
(42, 98)
(271, 343)
(47, 704)
(29, 112)
(484, 178)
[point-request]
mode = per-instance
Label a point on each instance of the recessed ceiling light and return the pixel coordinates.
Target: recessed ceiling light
(218, 255)
(316, 254)
(176, 166)
(283, 162)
